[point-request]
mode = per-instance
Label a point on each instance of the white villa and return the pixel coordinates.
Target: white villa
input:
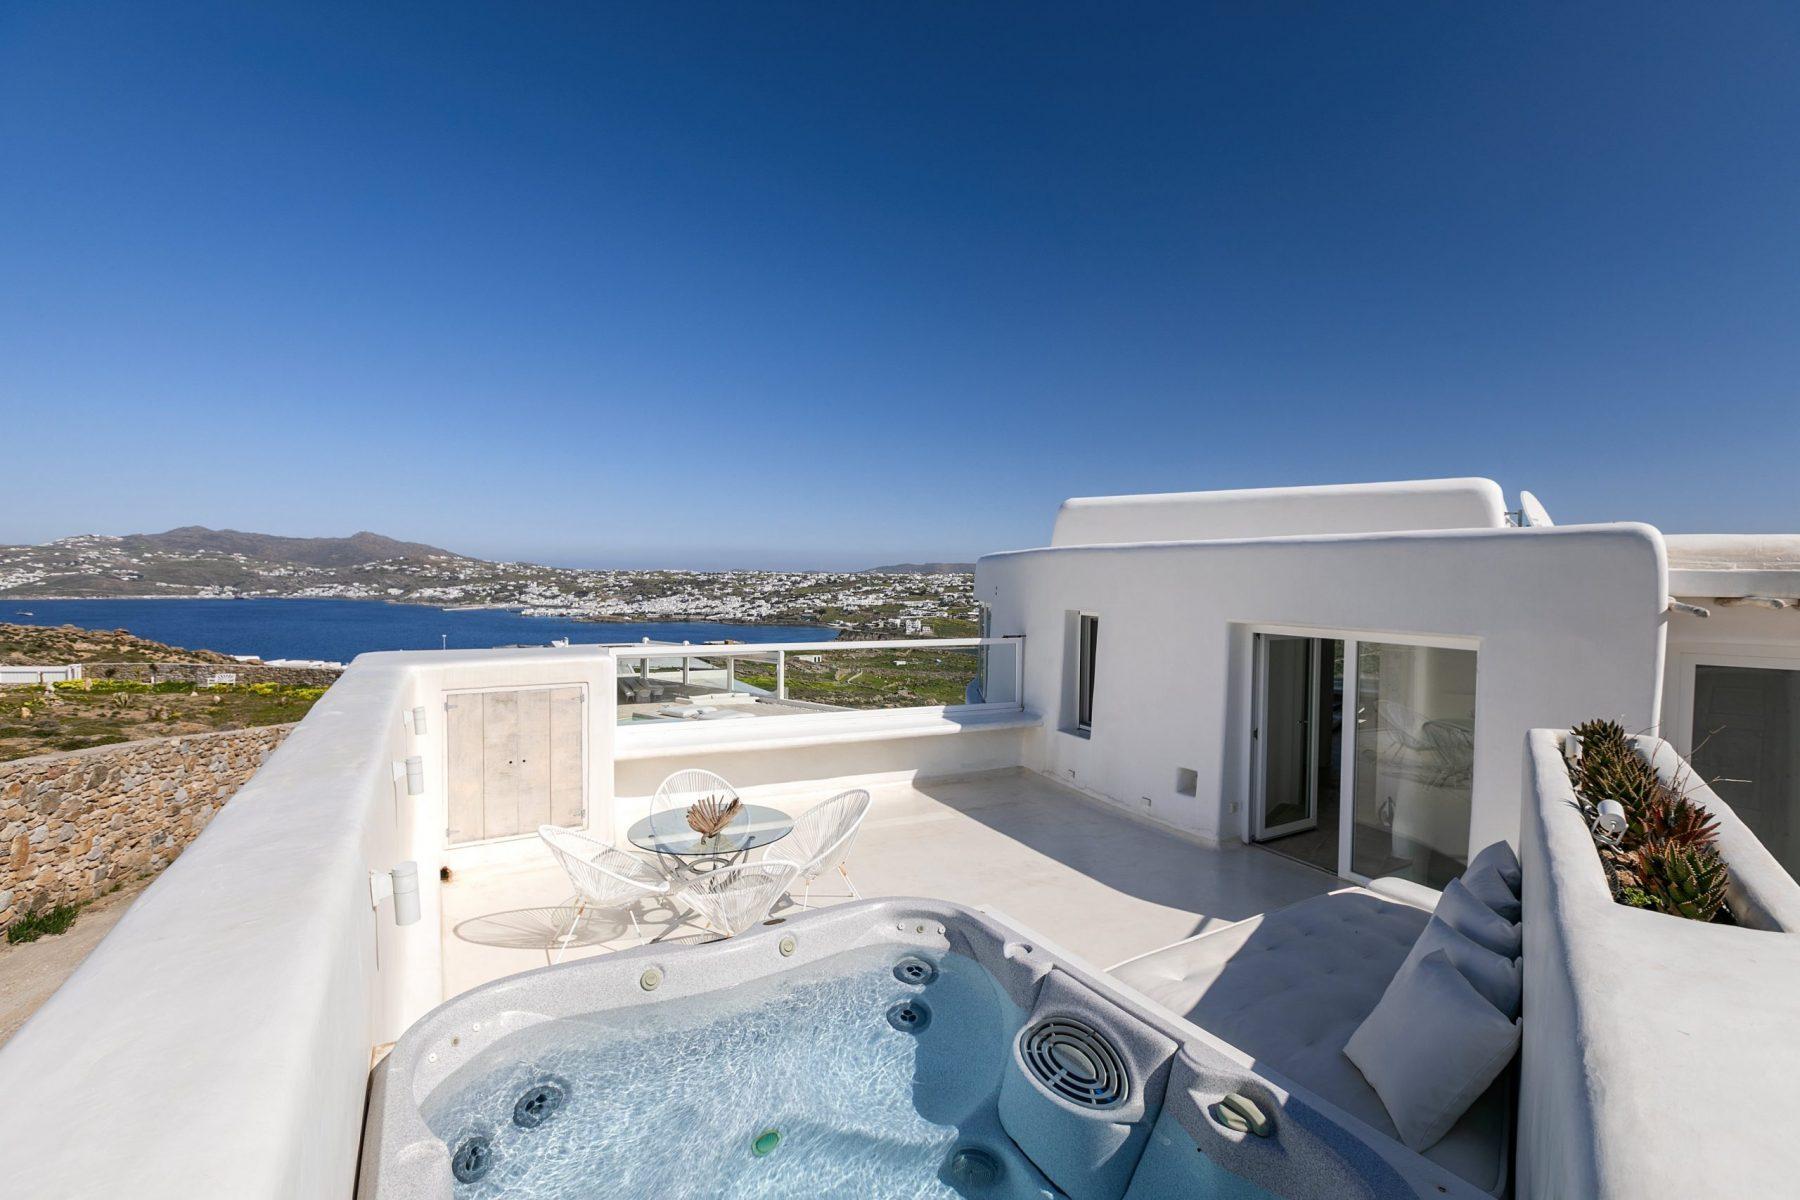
(1227, 762)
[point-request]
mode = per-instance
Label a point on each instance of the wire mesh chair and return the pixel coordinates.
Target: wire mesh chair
(674, 796)
(604, 877)
(821, 840)
(732, 899)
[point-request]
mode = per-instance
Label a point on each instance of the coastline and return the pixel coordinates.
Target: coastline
(522, 610)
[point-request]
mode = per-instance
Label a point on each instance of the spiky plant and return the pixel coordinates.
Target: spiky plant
(1667, 859)
(1667, 816)
(1686, 881)
(1600, 733)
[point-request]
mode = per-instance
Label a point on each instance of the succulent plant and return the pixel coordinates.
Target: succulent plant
(1668, 816)
(1667, 859)
(1687, 881)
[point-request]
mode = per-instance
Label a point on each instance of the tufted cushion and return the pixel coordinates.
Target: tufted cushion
(1289, 987)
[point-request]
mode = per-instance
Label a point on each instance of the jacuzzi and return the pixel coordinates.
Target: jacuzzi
(888, 1048)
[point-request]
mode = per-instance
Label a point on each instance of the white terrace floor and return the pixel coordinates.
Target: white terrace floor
(1098, 884)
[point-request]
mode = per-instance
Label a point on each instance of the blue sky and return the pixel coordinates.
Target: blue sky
(832, 285)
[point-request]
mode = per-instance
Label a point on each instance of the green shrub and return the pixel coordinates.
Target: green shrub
(35, 924)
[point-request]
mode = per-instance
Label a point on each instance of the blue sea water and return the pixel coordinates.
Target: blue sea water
(342, 629)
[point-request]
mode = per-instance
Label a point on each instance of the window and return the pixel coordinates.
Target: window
(1084, 683)
(1746, 741)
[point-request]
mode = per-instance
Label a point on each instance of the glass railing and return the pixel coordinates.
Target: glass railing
(666, 684)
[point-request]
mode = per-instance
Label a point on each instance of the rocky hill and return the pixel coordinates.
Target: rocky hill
(196, 561)
(350, 551)
(45, 645)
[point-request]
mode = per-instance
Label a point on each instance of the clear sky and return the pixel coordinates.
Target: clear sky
(839, 284)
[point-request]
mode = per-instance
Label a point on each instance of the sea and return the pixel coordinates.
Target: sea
(339, 630)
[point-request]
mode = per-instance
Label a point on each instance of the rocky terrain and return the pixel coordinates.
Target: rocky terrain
(44, 645)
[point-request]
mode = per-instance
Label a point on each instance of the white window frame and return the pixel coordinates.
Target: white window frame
(1347, 771)
(1086, 668)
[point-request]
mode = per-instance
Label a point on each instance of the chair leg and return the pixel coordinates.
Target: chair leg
(636, 932)
(565, 939)
(844, 870)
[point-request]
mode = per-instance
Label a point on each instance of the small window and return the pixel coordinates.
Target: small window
(1084, 684)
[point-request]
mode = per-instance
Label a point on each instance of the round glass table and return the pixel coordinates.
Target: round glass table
(667, 832)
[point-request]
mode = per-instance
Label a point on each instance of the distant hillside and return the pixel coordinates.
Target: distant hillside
(944, 568)
(349, 551)
(197, 561)
(46, 645)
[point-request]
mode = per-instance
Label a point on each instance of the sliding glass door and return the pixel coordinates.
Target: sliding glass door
(1390, 795)
(1415, 760)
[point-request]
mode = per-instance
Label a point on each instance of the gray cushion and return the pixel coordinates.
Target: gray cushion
(1431, 1047)
(1496, 978)
(1500, 856)
(1470, 917)
(1489, 888)
(1289, 987)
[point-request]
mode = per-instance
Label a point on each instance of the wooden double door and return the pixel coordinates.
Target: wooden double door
(516, 759)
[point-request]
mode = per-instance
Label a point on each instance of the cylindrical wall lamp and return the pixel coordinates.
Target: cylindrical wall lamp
(418, 720)
(415, 775)
(402, 885)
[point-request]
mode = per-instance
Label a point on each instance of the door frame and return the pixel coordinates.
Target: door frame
(1352, 640)
(1260, 830)
(442, 824)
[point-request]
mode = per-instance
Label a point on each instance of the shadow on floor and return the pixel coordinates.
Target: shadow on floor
(1131, 857)
(544, 928)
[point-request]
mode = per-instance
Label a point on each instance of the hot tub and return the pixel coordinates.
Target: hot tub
(890, 1048)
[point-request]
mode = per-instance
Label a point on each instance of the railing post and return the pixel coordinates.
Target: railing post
(730, 674)
(781, 674)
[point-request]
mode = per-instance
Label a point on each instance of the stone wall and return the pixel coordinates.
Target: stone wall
(204, 672)
(73, 825)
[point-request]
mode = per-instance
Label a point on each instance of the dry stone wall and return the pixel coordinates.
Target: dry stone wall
(74, 825)
(206, 672)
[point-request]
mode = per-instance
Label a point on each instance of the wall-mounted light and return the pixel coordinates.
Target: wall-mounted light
(418, 720)
(402, 886)
(415, 775)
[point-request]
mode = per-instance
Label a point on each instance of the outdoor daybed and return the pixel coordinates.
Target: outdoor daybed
(1290, 987)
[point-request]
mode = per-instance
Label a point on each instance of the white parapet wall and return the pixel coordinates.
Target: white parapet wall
(1566, 622)
(1283, 511)
(1661, 1057)
(218, 1041)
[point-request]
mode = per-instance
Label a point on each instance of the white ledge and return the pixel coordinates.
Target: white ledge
(823, 729)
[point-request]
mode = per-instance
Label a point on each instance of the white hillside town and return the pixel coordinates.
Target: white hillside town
(874, 601)
(1361, 840)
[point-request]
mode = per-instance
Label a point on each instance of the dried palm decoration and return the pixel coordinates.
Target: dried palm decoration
(709, 815)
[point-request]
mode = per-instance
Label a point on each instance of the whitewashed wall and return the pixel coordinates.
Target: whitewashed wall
(217, 1042)
(1273, 512)
(1568, 623)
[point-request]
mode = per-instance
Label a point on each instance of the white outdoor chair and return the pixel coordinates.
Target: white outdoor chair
(821, 840)
(604, 877)
(732, 899)
(674, 795)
